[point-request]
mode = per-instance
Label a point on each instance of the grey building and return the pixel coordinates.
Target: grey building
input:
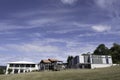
(91, 61)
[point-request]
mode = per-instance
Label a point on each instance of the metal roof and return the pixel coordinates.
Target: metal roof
(45, 61)
(21, 62)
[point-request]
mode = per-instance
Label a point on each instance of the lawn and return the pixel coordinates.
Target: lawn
(112, 73)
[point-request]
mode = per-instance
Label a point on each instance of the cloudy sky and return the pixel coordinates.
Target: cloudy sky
(32, 30)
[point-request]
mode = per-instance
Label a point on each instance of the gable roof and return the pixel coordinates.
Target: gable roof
(53, 60)
(50, 61)
(45, 61)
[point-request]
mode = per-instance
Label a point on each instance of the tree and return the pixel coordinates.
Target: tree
(115, 52)
(1, 71)
(69, 58)
(101, 50)
(9, 71)
(69, 61)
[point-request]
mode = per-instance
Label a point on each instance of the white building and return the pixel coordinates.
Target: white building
(91, 61)
(20, 67)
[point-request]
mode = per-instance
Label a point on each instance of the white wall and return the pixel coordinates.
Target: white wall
(24, 68)
(104, 59)
(7, 69)
(110, 60)
(93, 66)
(81, 58)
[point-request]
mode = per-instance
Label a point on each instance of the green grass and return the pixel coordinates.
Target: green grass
(112, 73)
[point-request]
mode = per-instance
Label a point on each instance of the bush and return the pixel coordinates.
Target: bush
(35, 70)
(9, 71)
(1, 71)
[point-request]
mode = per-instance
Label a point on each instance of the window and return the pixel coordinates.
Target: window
(107, 60)
(16, 65)
(21, 71)
(16, 71)
(28, 65)
(11, 65)
(33, 65)
(22, 65)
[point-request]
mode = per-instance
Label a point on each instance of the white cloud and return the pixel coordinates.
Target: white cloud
(63, 31)
(8, 25)
(101, 28)
(36, 34)
(111, 6)
(77, 50)
(87, 34)
(104, 3)
(39, 22)
(78, 24)
(68, 1)
(43, 49)
(3, 49)
(34, 48)
(34, 51)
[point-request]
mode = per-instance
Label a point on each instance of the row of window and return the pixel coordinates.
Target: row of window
(22, 65)
(98, 61)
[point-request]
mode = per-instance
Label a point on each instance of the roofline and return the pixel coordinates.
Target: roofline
(20, 62)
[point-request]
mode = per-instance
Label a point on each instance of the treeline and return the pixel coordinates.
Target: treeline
(2, 69)
(114, 51)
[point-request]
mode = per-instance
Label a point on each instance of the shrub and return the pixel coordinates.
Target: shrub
(35, 70)
(9, 71)
(1, 71)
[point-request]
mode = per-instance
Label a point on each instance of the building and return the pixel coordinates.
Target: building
(20, 67)
(50, 64)
(24, 66)
(91, 61)
(45, 65)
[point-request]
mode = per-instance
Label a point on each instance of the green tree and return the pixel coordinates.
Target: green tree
(115, 52)
(101, 50)
(69, 61)
(1, 71)
(9, 71)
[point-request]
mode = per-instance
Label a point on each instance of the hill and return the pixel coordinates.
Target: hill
(112, 73)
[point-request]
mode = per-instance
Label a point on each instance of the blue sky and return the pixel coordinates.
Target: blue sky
(32, 30)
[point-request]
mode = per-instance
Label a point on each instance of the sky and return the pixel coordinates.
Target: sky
(31, 30)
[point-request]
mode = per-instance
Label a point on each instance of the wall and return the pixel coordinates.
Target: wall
(81, 59)
(24, 68)
(93, 66)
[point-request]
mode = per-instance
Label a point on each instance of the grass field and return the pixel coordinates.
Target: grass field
(112, 73)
